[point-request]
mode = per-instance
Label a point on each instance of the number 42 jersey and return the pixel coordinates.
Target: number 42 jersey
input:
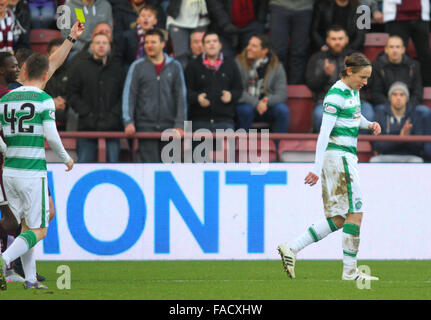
(27, 117)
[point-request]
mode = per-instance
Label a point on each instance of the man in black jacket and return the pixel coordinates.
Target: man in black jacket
(323, 71)
(94, 92)
(394, 65)
(213, 87)
(327, 13)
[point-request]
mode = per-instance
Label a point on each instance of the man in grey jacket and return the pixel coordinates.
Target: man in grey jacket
(154, 96)
(95, 11)
(264, 82)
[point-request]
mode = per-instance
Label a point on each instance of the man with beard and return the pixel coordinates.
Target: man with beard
(323, 70)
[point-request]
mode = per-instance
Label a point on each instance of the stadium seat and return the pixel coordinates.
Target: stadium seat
(68, 143)
(39, 39)
(427, 96)
(374, 44)
(244, 155)
(297, 150)
(301, 104)
(365, 151)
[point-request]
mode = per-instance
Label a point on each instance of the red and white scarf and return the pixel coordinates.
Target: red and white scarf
(140, 33)
(213, 65)
(6, 34)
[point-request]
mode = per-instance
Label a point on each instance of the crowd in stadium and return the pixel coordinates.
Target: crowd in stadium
(224, 64)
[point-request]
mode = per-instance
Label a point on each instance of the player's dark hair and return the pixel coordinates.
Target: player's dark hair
(36, 66)
(3, 57)
(356, 61)
(55, 43)
(157, 32)
(22, 55)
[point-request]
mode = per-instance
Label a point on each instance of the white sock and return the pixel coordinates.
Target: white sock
(16, 249)
(350, 246)
(29, 265)
(316, 232)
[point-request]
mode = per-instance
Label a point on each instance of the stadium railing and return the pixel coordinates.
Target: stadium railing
(302, 145)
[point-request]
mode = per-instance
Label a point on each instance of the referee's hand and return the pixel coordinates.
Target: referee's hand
(311, 179)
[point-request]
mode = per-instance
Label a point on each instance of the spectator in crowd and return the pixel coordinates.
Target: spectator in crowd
(289, 24)
(235, 21)
(410, 19)
(196, 48)
(85, 52)
(323, 71)
(213, 87)
(394, 65)
(376, 10)
(21, 56)
(343, 13)
(126, 13)
(12, 34)
(9, 71)
(183, 17)
(264, 86)
(42, 13)
(399, 117)
(131, 45)
(94, 91)
(56, 87)
(21, 32)
(95, 11)
(154, 96)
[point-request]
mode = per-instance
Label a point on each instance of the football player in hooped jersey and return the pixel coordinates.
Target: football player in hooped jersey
(336, 164)
(27, 118)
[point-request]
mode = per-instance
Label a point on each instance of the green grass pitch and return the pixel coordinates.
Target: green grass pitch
(226, 280)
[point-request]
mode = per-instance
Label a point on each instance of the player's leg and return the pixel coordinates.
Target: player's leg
(322, 228)
(352, 224)
(33, 196)
(29, 260)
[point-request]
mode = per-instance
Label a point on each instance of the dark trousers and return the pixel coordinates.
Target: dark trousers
(150, 150)
(217, 143)
(419, 31)
(87, 150)
(290, 37)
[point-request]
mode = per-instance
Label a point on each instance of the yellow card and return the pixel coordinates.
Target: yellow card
(80, 15)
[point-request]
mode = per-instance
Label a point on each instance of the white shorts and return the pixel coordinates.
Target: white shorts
(341, 190)
(28, 200)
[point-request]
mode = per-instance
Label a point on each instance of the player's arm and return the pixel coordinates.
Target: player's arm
(60, 55)
(374, 126)
(52, 136)
(328, 123)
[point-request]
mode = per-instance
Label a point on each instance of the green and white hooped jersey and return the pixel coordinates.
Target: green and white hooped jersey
(345, 104)
(27, 116)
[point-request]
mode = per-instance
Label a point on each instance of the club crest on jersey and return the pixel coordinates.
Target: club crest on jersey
(350, 102)
(330, 109)
(52, 114)
(357, 114)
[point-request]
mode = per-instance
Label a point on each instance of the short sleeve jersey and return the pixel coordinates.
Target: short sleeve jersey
(23, 112)
(345, 104)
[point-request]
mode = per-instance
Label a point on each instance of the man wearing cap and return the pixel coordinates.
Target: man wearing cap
(394, 65)
(399, 117)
